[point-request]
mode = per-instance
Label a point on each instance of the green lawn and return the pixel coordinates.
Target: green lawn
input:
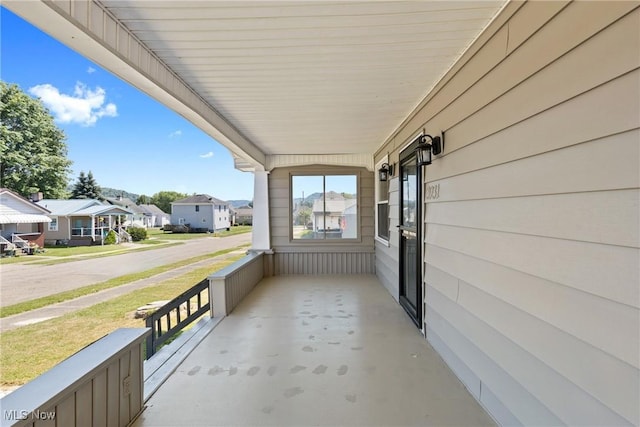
(81, 250)
(54, 255)
(239, 229)
(31, 350)
(157, 234)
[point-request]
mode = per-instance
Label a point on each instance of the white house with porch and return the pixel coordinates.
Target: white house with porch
(500, 247)
(22, 222)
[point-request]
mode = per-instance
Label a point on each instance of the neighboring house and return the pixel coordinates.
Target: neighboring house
(137, 218)
(201, 211)
(154, 216)
(78, 222)
(244, 215)
(21, 219)
(328, 216)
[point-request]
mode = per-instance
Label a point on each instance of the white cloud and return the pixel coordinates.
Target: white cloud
(91, 70)
(175, 134)
(207, 155)
(84, 107)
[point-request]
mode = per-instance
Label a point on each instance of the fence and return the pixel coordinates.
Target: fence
(169, 320)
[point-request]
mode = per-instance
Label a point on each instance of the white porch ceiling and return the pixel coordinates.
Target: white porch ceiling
(304, 78)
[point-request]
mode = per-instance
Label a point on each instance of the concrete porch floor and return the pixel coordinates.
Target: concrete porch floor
(301, 350)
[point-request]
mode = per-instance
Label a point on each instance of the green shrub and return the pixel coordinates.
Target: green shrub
(137, 233)
(111, 238)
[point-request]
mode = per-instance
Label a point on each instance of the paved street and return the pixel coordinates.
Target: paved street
(23, 282)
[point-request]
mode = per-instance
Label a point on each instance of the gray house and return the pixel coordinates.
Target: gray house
(201, 211)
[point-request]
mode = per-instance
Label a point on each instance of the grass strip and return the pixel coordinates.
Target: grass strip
(22, 307)
(63, 260)
(32, 350)
(50, 257)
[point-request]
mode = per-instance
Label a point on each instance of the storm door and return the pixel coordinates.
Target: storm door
(410, 236)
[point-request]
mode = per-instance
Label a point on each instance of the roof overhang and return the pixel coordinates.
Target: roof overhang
(23, 218)
(277, 83)
(102, 210)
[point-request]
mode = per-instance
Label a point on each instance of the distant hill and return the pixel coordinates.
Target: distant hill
(309, 199)
(238, 203)
(112, 192)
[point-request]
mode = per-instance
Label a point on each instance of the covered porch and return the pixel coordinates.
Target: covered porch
(514, 249)
(314, 350)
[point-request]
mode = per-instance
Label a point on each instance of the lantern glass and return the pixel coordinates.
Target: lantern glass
(423, 154)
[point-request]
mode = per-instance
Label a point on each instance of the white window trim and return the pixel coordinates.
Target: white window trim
(54, 218)
(379, 239)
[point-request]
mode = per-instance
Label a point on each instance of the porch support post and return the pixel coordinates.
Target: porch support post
(261, 232)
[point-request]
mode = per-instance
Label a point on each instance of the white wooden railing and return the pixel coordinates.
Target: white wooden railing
(231, 284)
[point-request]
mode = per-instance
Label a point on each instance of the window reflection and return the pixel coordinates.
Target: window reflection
(409, 194)
(324, 207)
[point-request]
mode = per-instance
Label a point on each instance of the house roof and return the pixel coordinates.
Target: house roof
(200, 199)
(13, 203)
(81, 207)
(124, 202)
(59, 207)
(15, 209)
(152, 210)
(244, 211)
(103, 210)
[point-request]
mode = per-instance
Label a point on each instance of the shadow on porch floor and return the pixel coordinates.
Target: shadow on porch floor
(321, 350)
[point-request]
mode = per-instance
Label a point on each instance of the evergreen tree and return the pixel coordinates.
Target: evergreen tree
(33, 152)
(86, 187)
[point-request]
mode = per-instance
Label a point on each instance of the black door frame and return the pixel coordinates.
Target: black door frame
(415, 314)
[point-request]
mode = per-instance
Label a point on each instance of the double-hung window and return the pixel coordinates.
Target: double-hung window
(324, 207)
(53, 225)
(382, 205)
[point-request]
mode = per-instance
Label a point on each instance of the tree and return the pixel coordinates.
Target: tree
(33, 152)
(143, 200)
(304, 215)
(86, 187)
(163, 199)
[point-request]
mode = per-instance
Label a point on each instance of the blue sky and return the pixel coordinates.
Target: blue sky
(126, 139)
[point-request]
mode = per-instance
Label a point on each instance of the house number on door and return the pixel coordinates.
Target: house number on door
(433, 191)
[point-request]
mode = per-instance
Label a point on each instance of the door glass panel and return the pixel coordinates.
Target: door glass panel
(410, 281)
(410, 271)
(409, 194)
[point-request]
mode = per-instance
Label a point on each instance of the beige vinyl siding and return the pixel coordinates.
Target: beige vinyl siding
(387, 256)
(321, 257)
(531, 264)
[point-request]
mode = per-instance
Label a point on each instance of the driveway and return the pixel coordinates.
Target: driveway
(23, 282)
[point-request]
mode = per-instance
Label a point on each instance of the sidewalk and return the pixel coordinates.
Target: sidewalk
(56, 310)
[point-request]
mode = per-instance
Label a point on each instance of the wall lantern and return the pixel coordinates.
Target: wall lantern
(425, 149)
(385, 172)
